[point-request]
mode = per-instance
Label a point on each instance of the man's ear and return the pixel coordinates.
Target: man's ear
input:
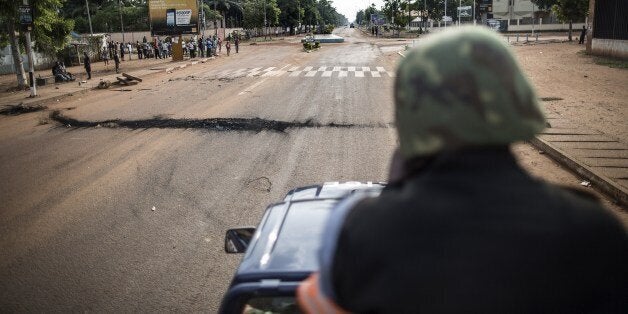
(397, 169)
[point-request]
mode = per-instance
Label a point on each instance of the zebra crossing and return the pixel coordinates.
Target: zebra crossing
(307, 72)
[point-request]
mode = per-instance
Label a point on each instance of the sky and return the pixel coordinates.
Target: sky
(350, 7)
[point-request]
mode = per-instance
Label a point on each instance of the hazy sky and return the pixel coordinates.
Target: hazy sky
(350, 7)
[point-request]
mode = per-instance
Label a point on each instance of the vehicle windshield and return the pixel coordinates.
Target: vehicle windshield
(271, 305)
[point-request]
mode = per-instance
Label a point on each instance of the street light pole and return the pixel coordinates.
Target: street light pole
(89, 18)
(121, 22)
(445, 16)
(532, 18)
(459, 10)
(31, 59)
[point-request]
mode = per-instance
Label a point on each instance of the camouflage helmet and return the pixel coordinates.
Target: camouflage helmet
(463, 88)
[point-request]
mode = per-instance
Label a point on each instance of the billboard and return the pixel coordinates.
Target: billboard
(173, 17)
(465, 11)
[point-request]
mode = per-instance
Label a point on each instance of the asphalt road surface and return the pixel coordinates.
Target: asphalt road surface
(121, 200)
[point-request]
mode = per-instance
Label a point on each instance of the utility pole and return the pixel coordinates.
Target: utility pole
(31, 57)
(265, 30)
(532, 18)
(426, 15)
(89, 18)
(445, 17)
(459, 10)
(474, 12)
(121, 22)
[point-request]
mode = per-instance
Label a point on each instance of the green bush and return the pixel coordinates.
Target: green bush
(309, 45)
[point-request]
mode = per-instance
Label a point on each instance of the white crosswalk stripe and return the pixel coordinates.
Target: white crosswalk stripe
(308, 71)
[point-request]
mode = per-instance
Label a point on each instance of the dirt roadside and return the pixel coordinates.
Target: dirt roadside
(592, 95)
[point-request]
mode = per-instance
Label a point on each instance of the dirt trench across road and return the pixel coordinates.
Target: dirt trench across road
(118, 201)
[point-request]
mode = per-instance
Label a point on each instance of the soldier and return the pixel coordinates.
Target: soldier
(87, 63)
(464, 229)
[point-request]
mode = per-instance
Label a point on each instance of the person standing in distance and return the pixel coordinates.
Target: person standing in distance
(87, 63)
(463, 228)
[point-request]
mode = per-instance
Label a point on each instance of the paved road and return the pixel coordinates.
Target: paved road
(128, 212)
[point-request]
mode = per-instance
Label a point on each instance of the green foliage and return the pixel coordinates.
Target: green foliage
(50, 32)
(106, 15)
(291, 13)
(310, 45)
(210, 14)
(253, 12)
(544, 5)
(570, 10)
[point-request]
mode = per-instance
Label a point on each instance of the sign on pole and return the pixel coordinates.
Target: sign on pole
(173, 17)
(26, 15)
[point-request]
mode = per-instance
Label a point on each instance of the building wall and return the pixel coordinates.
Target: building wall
(610, 47)
(609, 28)
(6, 61)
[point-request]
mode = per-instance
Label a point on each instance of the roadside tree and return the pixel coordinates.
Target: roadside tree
(570, 11)
(49, 34)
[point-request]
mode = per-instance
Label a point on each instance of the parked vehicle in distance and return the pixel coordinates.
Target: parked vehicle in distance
(352, 26)
(282, 250)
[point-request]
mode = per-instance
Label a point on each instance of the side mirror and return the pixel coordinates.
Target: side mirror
(237, 240)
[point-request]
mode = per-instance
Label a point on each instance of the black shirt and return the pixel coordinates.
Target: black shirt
(473, 233)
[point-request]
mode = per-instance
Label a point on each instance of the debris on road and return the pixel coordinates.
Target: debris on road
(153, 209)
(20, 109)
(211, 124)
(585, 183)
(104, 84)
(128, 79)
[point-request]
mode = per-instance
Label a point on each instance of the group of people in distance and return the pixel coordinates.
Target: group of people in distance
(158, 48)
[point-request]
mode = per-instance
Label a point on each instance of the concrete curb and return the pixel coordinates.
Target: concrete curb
(612, 189)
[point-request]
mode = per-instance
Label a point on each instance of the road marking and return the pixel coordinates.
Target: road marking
(252, 87)
(309, 71)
